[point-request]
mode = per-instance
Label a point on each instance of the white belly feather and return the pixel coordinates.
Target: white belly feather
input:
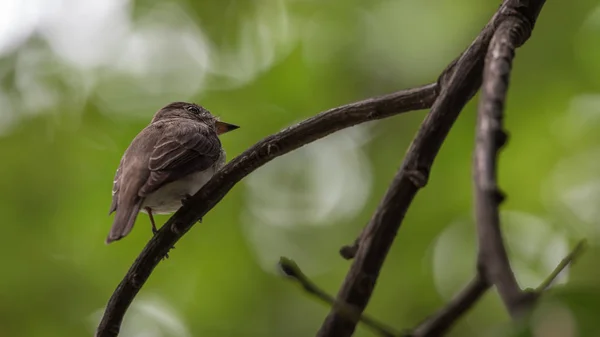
(167, 199)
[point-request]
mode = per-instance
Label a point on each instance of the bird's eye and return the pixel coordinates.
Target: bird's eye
(193, 108)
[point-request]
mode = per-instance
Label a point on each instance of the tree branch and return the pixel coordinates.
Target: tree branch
(291, 269)
(457, 87)
(566, 262)
(443, 319)
(262, 152)
(493, 260)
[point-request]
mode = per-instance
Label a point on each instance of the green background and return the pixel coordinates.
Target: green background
(76, 89)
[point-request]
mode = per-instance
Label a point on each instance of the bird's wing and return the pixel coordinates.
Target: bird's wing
(115, 189)
(184, 148)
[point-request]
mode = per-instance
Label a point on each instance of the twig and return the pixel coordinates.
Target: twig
(443, 319)
(493, 260)
(264, 151)
(564, 263)
(291, 269)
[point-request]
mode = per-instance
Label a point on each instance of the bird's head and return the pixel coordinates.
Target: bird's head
(194, 112)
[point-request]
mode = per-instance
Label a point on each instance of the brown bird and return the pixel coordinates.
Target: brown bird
(167, 162)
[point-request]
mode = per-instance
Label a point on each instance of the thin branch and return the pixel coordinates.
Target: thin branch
(564, 263)
(291, 269)
(443, 319)
(261, 153)
(493, 260)
(446, 317)
(457, 87)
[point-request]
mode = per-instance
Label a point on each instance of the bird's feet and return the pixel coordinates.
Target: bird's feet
(154, 232)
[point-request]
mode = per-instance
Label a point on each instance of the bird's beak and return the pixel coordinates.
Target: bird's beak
(223, 127)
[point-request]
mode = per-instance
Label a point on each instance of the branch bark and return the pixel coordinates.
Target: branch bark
(261, 153)
(493, 261)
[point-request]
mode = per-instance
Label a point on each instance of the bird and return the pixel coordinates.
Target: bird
(166, 163)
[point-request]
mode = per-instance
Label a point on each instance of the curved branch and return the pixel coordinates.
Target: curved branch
(261, 153)
(493, 260)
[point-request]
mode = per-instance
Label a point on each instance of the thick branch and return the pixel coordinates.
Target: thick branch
(493, 260)
(457, 87)
(264, 151)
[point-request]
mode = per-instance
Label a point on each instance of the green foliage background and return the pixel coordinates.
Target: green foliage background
(272, 63)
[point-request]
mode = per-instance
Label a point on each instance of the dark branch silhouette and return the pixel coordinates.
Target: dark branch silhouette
(261, 153)
(492, 259)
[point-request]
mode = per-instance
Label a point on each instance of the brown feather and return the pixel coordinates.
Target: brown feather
(185, 147)
(124, 220)
(178, 142)
(130, 176)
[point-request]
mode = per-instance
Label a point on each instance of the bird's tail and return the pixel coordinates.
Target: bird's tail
(124, 219)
